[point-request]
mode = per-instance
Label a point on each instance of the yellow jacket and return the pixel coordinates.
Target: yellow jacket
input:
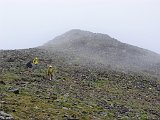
(50, 70)
(35, 61)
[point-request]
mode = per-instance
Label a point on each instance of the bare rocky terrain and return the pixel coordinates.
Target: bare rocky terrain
(101, 49)
(97, 78)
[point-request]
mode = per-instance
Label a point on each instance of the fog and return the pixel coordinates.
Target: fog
(30, 23)
(87, 48)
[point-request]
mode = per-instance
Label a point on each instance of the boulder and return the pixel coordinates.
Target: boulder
(14, 90)
(5, 116)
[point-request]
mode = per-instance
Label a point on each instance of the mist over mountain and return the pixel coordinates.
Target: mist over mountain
(100, 49)
(96, 77)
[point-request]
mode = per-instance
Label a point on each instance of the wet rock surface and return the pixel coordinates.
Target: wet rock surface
(14, 90)
(5, 116)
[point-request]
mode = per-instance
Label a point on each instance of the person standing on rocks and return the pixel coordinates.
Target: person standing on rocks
(50, 72)
(35, 61)
(29, 66)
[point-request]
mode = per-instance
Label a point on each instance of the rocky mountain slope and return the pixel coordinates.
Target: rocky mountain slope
(103, 50)
(78, 91)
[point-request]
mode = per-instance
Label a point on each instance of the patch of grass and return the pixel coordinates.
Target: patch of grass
(9, 77)
(69, 97)
(144, 116)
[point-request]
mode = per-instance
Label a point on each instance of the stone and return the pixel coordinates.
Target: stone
(5, 116)
(2, 82)
(14, 90)
(158, 88)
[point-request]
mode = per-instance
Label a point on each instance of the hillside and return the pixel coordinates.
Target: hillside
(82, 89)
(77, 92)
(100, 49)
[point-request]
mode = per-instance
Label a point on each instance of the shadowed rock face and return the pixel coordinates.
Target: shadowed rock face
(101, 49)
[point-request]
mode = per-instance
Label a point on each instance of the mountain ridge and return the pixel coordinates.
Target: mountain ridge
(100, 48)
(87, 34)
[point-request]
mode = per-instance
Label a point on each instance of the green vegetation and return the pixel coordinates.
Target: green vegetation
(43, 99)
(77, 92)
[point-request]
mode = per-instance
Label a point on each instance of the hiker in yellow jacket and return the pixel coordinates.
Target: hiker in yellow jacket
(35, 61)
(50, 72)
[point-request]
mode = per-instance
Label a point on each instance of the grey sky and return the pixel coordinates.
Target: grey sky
(30, 23)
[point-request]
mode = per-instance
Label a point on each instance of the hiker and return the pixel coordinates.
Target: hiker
(29, 66)
(50, 72)
(35, 61)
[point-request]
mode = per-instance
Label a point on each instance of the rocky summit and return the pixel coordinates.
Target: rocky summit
(97, 78)
(100, 49)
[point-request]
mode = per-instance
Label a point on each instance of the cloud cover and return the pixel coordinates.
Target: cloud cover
(30, 23)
